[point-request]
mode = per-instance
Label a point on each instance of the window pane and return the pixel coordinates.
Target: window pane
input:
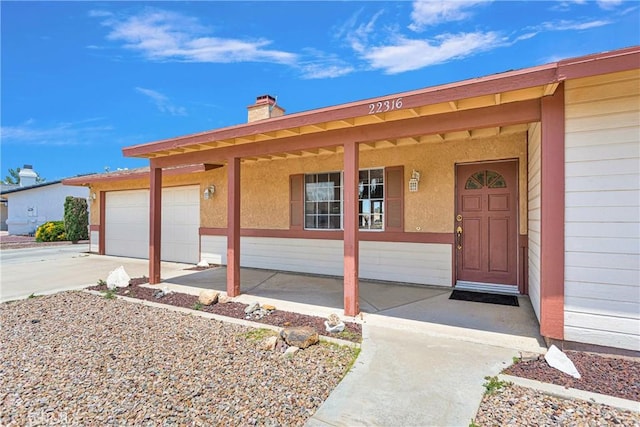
(323, 208)
(365, 206)
(377, 206)
(310, 221)
(323, 221)
(364, 221)
(377, 174)
(364, 176)
(310, 208)
(323, 177)
(336, 193)
(378, 221)
(363, 191)
(376, 190)
(334, 222)
(472, 184)
(335, 178)
(334, 208)
(310, 178)
(479, 176)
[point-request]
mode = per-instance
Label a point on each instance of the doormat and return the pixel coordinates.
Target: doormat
(484, 297)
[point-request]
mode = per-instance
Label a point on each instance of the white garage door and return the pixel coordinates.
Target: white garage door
(127, 224)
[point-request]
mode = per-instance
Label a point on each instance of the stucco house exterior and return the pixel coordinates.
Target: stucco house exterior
(30, 204)
(524, 182)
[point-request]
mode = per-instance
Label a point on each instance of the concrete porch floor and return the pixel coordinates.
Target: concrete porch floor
(389, 304)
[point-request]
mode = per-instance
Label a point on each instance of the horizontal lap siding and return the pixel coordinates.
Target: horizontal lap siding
(421, 263)
(602, 210)
(534, 217)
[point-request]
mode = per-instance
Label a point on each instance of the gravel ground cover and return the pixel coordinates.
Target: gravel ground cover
(281, 318)
(80, 359)
(23, 242)
(520, 406)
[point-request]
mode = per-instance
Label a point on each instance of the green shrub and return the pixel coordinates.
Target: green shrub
(52, 231)
(76, 219)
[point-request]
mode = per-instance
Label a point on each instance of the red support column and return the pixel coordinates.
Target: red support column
(233, 227)
(350, 222)
(102, 227)
(552, 216)
(155, 223)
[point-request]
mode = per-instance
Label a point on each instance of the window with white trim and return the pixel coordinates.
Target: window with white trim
(323, 207)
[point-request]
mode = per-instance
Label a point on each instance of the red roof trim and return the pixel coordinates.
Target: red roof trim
(139, 173)
(607, 62)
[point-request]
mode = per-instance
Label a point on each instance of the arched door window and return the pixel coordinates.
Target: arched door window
(485, 178)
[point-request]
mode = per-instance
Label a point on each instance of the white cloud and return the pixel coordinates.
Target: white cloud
(434, 12)
(609, 4)
(162, 102)
(161, 35)
(564, 25)
(406, 54)
(58, 134)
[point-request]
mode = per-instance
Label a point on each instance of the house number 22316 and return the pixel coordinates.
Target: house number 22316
(384, 106)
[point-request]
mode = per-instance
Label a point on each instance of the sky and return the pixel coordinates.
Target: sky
(81, 80)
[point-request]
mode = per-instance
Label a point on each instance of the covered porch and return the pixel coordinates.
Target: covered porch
(389, 304)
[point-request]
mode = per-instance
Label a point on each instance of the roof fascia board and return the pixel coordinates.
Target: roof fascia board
(499, 115)
(31, 187)
(508, 81)
(604, 63)
(124, 176)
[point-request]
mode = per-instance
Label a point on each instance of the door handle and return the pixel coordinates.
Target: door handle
(459, 237)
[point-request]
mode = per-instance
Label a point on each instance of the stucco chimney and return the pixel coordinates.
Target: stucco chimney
(264, 108)
(27, 176)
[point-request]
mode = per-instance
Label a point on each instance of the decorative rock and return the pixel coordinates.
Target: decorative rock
(334, 328)
(268, 307)
(118, 278)
(252, 307)
(333, 319)
(290, 351)
(269, 344)
(158, 293)
(301, 336)
(223, 299)
(208, 297)
(203, 263)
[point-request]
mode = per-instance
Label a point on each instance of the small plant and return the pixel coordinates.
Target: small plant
(349, 336)
(516, 360)
(494, 384)
(259, 334)
(52, 231)
(197, 306)
(473, 424)
(32, 296)
(102, 282)
(109, 293)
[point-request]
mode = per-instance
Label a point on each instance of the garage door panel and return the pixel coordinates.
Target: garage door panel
(127, 224)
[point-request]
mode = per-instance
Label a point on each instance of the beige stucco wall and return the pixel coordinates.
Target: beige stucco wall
(265, 185)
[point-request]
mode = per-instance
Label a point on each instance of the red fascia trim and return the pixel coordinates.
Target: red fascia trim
(499, 115)
(512, 80)
(365, 236)
(601, 63)
(135, 174)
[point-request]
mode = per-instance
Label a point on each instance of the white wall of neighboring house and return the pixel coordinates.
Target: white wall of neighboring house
(602, 210)
(534, 216)
(33, 206)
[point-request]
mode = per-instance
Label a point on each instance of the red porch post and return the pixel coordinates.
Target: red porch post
(233, 227)
(155, 223)
(351, 241)
(552, 216)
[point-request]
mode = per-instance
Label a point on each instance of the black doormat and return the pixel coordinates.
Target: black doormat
(484, 297)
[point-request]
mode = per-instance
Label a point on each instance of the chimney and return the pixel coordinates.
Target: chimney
(27, 176)
(264, 108)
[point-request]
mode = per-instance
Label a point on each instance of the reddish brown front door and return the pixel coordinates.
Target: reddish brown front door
(486, 222)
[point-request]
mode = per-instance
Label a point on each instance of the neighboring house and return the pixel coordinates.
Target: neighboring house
(4, 204)
(522, 182)
(31, 204)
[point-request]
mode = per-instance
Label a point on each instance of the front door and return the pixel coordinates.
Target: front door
(486, 223)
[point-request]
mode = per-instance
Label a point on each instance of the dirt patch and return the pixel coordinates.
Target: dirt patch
(352, 331)
(614, 376)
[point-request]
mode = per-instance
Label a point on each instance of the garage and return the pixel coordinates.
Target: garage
(127, 224)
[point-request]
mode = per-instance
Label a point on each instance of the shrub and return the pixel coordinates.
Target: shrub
(52, 231)
(76, 219)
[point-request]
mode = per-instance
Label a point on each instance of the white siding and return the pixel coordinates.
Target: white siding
(534, 217)
(428, 264)
(94, 241)
(602, 210)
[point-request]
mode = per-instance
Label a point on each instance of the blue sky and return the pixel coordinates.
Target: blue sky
(81, 80)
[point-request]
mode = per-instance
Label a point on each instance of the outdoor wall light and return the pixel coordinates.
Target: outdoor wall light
(208, 192)
(93, 196)
(413, 182)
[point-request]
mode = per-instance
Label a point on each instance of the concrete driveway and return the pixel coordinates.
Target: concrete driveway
(52, 269)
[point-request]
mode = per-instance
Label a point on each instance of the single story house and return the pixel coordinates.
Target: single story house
(31, 204)
(522, 182)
